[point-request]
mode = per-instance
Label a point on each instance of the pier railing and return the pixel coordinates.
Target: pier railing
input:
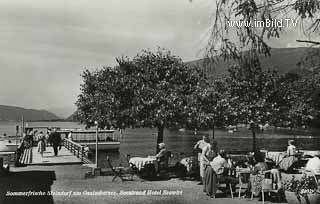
(78, 150)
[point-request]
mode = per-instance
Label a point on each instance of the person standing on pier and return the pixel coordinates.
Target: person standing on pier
(55, 140)
(41, 144)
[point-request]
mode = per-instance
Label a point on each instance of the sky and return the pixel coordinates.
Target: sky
(45, 45)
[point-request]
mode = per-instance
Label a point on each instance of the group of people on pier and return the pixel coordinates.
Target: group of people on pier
(42, 140)
(52, 137)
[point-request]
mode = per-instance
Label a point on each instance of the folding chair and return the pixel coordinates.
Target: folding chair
(120, 171)
(243, 176)
(230, 187)
(224, 180)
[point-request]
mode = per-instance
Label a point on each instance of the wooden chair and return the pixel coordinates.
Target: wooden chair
(269, 183)
(164, 161)
(219, 182)
(120, 171)
(243, 180)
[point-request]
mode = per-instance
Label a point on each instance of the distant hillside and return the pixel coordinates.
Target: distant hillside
(282, 59)
(72, 117)
(12, 113)
(62, 112)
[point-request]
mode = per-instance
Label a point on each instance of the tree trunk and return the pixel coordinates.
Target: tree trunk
(212, 131)
(160, 136)
(253, 139)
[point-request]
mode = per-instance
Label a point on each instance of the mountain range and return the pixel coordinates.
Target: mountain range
(13, 113)
(283, 60)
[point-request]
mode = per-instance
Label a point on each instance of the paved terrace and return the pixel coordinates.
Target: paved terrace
(70, 178)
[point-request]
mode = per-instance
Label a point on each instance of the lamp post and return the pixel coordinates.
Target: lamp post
(97, 129)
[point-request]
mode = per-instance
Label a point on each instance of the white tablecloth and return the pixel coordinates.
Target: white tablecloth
(140, 162)
(310, 153)
(276, 156)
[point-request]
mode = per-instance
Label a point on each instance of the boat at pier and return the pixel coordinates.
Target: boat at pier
(8, 145)
(107, 139)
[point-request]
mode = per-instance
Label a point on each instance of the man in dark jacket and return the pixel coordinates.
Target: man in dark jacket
(55, 140)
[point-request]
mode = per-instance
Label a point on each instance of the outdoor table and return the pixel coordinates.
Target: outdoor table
(243, 173)
(276, 156)
(310, 153)
(140, 162)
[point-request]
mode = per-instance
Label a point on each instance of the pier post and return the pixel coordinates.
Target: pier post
(82, 152)
(97, 129)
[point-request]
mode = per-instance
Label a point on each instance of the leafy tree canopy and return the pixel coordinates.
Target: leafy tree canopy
(154, 89)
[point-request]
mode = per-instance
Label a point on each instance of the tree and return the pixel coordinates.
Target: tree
(235, 33)
(298, 99)
(247, 98)
(154, 89)
(239, 25)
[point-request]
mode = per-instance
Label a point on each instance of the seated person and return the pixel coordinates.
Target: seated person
(162, 151)
(260, 165)
(256, 177)
(313, 165)
(291, 149)
(221, 168)
(162, 156)
(291, 159)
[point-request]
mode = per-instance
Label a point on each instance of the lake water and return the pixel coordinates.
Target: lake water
(142, 142)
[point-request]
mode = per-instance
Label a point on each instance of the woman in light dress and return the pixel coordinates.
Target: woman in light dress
(200, 146)
(41, 144)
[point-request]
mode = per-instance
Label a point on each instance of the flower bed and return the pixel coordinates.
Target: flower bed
(308, 198)
(303, 191)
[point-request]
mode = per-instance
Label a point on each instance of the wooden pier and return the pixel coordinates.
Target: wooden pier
(64, 157)
(70, 153)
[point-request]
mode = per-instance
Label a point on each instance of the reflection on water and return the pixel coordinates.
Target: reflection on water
(142, 142)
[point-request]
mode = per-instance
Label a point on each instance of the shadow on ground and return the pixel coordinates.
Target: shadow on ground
(26, 181)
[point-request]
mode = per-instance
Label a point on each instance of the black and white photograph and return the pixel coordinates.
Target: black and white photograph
(159, 101)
